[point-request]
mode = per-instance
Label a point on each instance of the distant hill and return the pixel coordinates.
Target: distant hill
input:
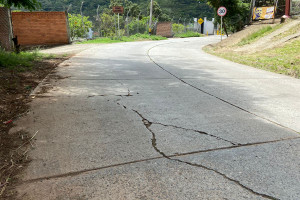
(174, 8)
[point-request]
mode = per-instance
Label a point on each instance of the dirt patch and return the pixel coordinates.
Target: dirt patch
(235, 38)
(15, 88)
(266, 42)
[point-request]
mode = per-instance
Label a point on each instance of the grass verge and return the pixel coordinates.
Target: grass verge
(259, 34)
(188, 34)
(282, 60)
(132, 38)
(22, 61)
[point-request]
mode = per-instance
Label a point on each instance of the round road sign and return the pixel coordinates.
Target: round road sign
(222, 11)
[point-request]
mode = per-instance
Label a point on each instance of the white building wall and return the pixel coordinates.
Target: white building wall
(209, 26)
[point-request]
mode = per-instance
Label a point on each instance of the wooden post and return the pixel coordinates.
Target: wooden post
(287, 7)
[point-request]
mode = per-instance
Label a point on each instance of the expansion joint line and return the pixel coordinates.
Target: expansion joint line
(212, 95)
(148, 124)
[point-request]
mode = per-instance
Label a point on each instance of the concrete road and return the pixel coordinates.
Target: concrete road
(163, 120)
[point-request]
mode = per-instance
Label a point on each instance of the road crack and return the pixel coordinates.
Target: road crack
(197, 131)
(148, 124)
(212, 95)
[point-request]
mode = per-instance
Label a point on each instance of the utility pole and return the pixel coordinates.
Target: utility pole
(127, 21)
(82, 17)
(150, 20)
(138, 25)
(98, 19)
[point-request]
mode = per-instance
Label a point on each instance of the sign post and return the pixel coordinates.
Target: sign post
(222, 12)
(119, 10)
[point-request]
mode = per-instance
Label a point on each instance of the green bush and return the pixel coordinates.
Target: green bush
(177, 28)
(76, 25)
(138, 26)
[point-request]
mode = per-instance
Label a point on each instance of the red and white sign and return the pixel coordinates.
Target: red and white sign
(222, 11)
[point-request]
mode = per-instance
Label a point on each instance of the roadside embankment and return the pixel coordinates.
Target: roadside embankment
(272, 47)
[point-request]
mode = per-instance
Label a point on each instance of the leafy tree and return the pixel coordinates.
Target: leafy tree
(171, 8)
(133, 9)
(138, 26)
(27, 4)
(237, 12)
(76, 26)
(109, 25)
(158, 12)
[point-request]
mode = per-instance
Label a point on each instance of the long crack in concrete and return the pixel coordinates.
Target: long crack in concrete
(148, 124)
(201, 132)
(212, 95)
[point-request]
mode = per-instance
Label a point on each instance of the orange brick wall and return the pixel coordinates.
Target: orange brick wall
(164, 29)
(40, 28)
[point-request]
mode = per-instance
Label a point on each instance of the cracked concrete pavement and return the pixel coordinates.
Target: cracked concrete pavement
(163, 120)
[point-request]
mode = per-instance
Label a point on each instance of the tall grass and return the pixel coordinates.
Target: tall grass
(255, 36)
(21, 61)
(259, 34)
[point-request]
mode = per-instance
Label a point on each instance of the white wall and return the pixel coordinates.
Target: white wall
(209, 26)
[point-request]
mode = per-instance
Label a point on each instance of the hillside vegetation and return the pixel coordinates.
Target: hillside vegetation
(174, 8)
(274, 47)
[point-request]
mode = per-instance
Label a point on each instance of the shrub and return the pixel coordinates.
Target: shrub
(178, 28)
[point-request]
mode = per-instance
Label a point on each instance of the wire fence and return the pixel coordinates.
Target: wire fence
(295, 7)
(5, 29)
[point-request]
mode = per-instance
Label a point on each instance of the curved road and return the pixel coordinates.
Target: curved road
(163, 120)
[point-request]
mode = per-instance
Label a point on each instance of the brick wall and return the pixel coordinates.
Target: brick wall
(164, 29)
(5, 29)
(40, 28)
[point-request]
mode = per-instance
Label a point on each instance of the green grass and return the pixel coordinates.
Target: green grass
(18, 61)
(282, 60)
(188, 34)
(259, 34)
(22, 61)
(136, 37)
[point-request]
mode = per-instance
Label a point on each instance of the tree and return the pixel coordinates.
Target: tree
(133, 9)
(76, 26)
(237, 12)
(158, 12)
(27, 4)
(108, 25)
